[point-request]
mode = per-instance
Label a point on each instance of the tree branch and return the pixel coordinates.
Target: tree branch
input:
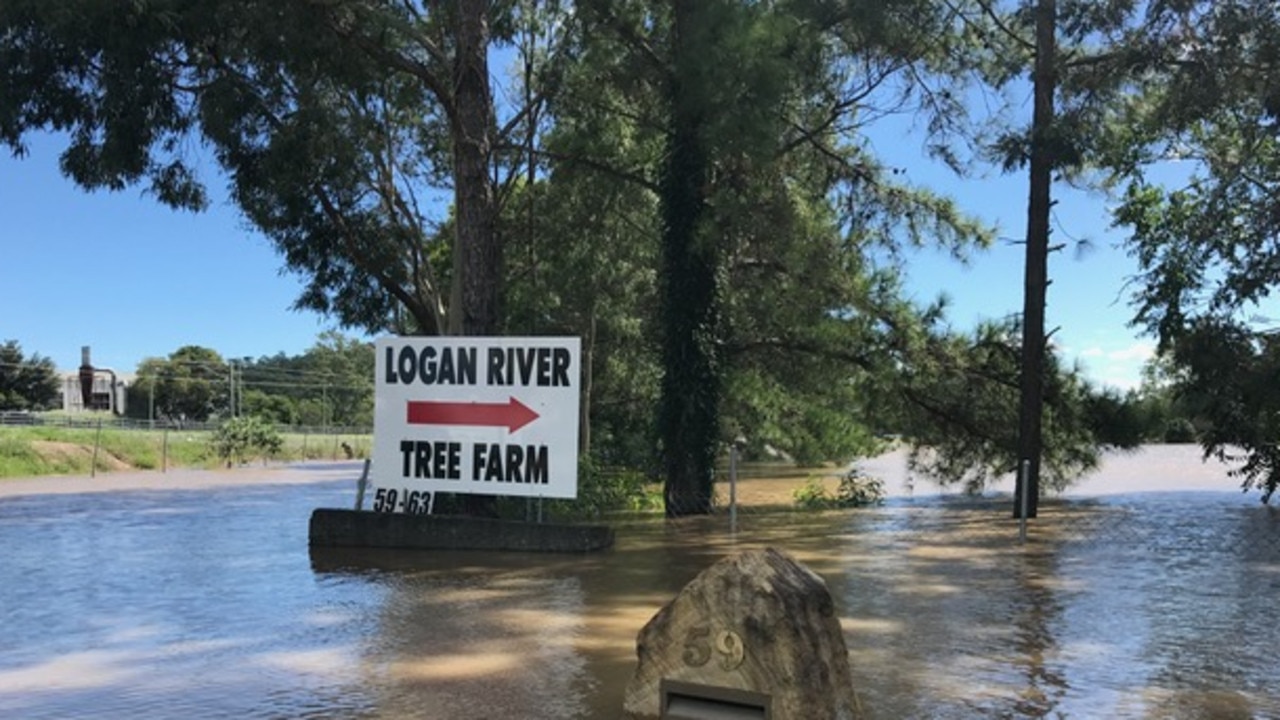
(632, 176)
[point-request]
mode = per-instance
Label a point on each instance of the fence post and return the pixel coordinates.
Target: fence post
(360, 486)
(164, 450)
(1024, 469)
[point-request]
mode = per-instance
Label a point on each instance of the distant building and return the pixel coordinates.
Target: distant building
(109, 392)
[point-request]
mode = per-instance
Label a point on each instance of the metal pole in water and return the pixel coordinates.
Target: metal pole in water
(1024, 469)
(360, 486)
(733, 488)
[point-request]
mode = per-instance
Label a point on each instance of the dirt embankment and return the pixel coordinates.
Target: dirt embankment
(64, 454)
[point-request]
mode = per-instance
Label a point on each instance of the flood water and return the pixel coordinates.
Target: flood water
(207, 603)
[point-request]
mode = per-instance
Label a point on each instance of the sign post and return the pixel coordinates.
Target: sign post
(479, 415)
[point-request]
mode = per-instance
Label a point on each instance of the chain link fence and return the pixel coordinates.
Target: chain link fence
(70, 444)
(1164, 500)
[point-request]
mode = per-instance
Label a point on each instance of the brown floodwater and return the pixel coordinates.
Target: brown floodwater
(207, 603)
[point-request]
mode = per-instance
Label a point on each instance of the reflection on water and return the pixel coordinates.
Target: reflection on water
(207, 604)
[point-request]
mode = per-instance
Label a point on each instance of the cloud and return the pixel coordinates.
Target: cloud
(1121, 367)
(1139, 351)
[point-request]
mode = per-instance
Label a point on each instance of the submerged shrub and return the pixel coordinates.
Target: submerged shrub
(855, 490)
(241, 438)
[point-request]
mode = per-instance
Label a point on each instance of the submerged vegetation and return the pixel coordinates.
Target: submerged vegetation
(855, 490)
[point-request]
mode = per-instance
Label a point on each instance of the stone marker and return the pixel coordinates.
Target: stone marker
(759, 621)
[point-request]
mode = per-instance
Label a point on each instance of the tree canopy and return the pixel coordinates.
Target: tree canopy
(1198, 153)
(192, 384)
(688, 187)
(328, 385)
(27, 382)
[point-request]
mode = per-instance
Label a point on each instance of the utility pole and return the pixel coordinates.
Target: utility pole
(1036, 276)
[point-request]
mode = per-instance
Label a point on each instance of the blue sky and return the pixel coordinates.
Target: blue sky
(1088, 308)
(132, 279)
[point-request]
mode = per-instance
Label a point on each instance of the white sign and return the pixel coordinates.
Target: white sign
(479, 415)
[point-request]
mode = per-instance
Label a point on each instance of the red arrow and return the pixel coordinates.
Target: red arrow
(513, 413)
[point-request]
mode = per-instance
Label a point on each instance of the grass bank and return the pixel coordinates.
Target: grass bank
(29, 451)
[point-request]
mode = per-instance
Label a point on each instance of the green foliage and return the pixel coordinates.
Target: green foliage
(344, 366)
(604, 490)
(274, 408)
(813, 495)
(1237, 409)
(855, 490)
(331, 384)
(192, 384)
(1180, 430)
(956, 402)
(1117, 420)
(770, 206)
(1156, 412)
(26, 382)
(1207, 246)
(17, 458)
(241, 438)
(695, 198)
(336, 131)
(561, 279)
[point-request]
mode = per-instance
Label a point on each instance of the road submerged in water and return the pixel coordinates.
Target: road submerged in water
(196, 595)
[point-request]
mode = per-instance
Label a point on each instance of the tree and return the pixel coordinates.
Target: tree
(777, 110)
(339, 126)
(26, 382)
(582, 264)
(1205, 232)
(1083, 58)
(239, 438)
(716, 228)
(192, 384)
(957, 400)
(1166, 415)
(336, 122)
(343, 367)
(1040, 164)
(270, 407)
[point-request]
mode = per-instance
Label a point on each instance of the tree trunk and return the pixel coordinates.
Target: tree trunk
(588, 381)
(1036, 277)
(477, 259)
(689, 407)
(477, 254)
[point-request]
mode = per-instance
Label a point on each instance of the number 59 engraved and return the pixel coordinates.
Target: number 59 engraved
(728, 645)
